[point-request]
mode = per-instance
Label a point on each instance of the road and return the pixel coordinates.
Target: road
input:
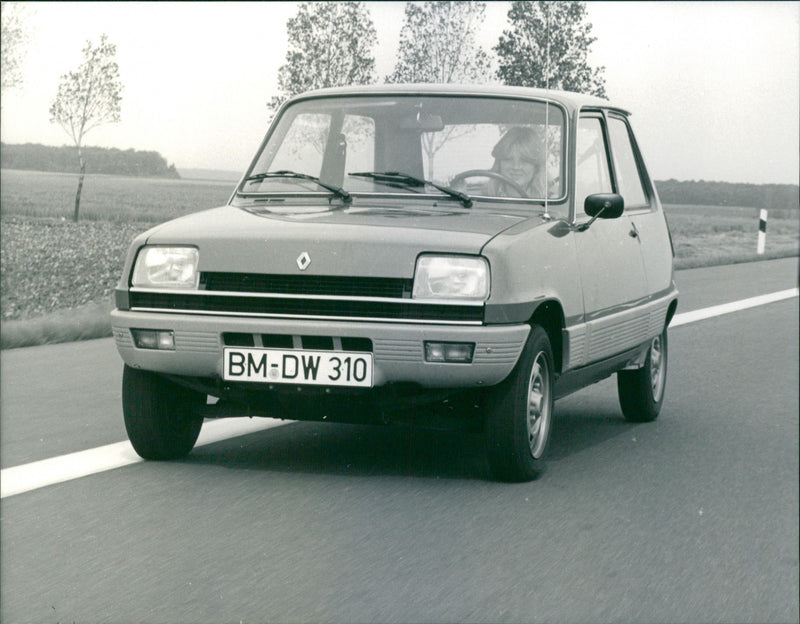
(691, 518)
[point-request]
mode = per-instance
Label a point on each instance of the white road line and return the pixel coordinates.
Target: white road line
(35, 475)
(734, 306)
(46, 472)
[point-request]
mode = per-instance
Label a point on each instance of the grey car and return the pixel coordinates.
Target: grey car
(395, 249)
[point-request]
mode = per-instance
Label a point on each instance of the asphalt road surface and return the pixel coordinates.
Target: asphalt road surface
(692, 518)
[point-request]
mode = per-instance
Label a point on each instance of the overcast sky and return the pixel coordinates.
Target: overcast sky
(713, 86)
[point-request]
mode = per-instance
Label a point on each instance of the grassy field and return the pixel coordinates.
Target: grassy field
(57, 277)
(709, 235)
(106, 198)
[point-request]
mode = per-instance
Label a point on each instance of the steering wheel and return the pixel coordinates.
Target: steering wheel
(487, 173)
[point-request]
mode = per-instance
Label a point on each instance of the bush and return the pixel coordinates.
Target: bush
(64, 159)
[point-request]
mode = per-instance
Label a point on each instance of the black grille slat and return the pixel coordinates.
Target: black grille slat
(233, 339)
(317, 343)
(328, 285)
(277, 341)
(357, 344)
(305, 307)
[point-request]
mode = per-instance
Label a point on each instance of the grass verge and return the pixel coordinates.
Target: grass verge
(82, 323)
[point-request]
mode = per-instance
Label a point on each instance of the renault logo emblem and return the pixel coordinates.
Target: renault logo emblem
(303, 260)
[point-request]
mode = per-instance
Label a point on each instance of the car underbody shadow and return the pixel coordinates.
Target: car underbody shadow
(456, 452)
(577, 431)
(357, 450)
(586, 419)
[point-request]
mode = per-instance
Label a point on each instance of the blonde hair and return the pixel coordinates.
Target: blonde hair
(520, 137)
(529, 144)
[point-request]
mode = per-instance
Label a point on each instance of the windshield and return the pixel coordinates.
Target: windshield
(459, 147)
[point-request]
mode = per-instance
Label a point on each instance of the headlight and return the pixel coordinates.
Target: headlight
(451, 277)
(166, 267)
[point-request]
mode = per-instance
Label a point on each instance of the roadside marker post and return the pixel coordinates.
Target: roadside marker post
(762, 231)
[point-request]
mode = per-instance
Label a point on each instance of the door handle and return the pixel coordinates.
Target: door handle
(634, 233)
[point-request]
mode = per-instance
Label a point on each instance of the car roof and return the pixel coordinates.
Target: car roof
(570, 100)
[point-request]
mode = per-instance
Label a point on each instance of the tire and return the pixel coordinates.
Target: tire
(158, 415)
(641, 391)
(520, 415)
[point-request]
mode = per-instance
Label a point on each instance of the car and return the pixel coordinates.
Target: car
(408, 253)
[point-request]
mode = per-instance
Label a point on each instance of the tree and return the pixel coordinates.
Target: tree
(330, 45)
(87, 98)
(13, 38)
(437, 44)
(547, 46)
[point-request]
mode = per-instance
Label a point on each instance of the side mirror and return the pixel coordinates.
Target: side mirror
(604, 206)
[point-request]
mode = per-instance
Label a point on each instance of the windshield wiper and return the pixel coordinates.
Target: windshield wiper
(292, 175)
(396, 178)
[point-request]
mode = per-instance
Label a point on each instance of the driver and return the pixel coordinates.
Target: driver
(518, 157)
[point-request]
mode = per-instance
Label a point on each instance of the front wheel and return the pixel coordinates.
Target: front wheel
(521, 413)
(641, 391)
(159, 415)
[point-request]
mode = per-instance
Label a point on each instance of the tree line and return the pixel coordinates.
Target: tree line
(707, 193)
(111, 161)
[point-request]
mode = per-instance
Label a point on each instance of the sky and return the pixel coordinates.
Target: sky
(714, 87)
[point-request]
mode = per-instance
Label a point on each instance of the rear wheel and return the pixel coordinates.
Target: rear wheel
(641, 391)
(159, 415)
(521, 413)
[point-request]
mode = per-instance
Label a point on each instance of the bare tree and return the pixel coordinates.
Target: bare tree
(547, 46)
(13, 39)
(87, 98)
(437, 45)
(330, 45)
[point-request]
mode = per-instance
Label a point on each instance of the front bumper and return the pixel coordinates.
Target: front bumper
(398, 348)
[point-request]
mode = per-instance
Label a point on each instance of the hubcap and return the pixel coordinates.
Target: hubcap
(657, 368)
(539, 406)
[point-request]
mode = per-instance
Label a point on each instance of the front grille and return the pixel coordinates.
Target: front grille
(284, 341)
(327, 285)
(210, 303)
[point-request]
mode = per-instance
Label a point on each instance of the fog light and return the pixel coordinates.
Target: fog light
(163, 339)
(434, 352)
(166, 340)
(457, 352)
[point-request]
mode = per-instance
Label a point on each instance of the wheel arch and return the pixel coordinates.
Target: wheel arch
(550, 316)
(673, 306)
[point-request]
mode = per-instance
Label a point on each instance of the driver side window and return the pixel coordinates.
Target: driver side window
(593, 175)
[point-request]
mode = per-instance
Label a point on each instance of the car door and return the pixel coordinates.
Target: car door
(611, 267)
(641, 205)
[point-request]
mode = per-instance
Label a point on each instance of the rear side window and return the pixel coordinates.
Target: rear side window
(629, 181)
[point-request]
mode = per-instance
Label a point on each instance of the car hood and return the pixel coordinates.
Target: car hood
(379, 241)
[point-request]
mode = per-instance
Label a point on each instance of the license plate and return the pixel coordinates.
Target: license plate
(298, 366)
